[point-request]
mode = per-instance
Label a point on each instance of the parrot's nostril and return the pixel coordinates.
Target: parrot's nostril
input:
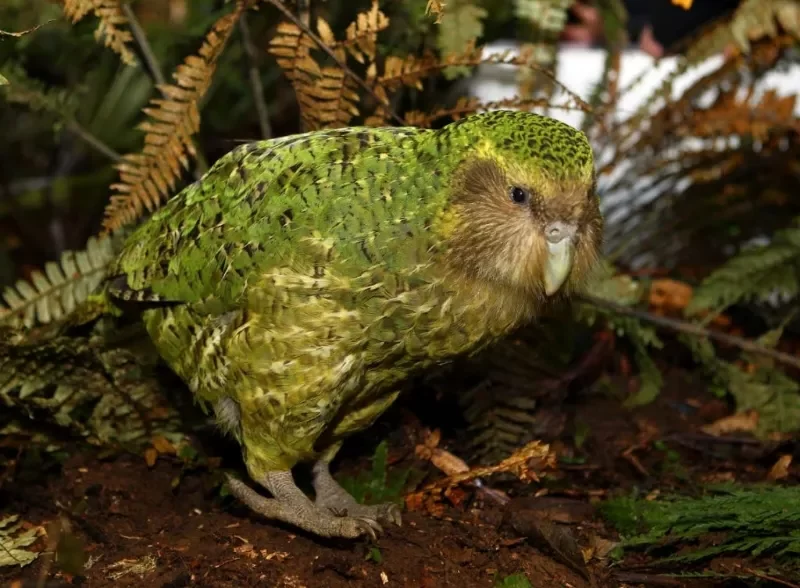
(558, 231)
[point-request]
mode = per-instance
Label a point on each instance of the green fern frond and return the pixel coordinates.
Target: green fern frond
(754, 520)
(765, 389)
(91, 387)
(543, 22)
(60, 287)
(20, 88)
(16, 538)
(461, 24)
(756, 273)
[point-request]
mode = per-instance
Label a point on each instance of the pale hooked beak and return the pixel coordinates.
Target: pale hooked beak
(560, 250)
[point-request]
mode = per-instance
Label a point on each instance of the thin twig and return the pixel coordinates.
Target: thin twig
(139, 35)
(764, 576)
(157, 75)
(93, 141)
(690, 328)
(321, 44)
(255, 79)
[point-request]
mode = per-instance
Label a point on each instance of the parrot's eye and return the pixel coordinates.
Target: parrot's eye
(519, 195)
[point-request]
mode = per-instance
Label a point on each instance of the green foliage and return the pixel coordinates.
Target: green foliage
(514, 581)
(61, 287)
(461, 23)
(377, 484)
(756, 273)
(374, 555)
(15, 540)
(766, 389)
(755, 520)
(102, 388)
(20, 88)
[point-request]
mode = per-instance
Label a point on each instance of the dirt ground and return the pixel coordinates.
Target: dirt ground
(138, 530)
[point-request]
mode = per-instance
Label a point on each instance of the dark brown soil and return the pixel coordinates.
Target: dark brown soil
(124, 511)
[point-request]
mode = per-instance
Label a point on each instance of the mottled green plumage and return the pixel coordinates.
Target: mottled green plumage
(303, 279)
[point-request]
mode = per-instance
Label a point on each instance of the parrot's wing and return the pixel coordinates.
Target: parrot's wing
(283, 203)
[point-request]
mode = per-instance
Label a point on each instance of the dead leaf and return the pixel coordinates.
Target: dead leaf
(780, 470)
(150, 456)
(246, 550)
(545, 534)
(741, 422)
(670, 294)
(163, 445)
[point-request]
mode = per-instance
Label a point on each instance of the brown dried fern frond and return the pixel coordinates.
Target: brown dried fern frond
(467, 106)
(327, 96)
(752, 25)
(149, 175)
(705, 170)
(411, 71)
(111, 28)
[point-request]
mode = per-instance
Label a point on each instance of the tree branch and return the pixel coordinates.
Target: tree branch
(93, 141)
(255, 79)
(690, 328)
(154, 69)
(144, 45)
(321, 44)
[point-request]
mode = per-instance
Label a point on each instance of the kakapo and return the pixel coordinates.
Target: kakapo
(303, 279)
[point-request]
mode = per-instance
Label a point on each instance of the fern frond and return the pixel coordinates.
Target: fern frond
(412, 70)
(436, 8)
(22, 89)
(111, 28)
(149, 175)
(467, 106)
(89, 386)
(760, 387)
(756, 273)
(700, 166)
(292, 50)
(362, 34)
(545, 20)
(327, 96)
(58, 289)
(461, 25)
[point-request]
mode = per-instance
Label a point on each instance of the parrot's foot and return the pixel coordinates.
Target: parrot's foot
(291, 506)
(332, 496)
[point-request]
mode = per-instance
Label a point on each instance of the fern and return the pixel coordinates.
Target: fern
(60, 287)
(461, 25)
(93, 387)
(111, 27)
(22, 89)
(774, 395)
(16, 538)
(467, 106)
(753, 520)
(327, 96)
(545, 20)
(378, 484)
(148, 176)
(757, 273)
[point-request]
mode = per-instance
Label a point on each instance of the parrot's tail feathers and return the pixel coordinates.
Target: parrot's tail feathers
(229, 416)
(117, 287)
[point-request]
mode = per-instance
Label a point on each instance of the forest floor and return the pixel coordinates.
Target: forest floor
(137, 527)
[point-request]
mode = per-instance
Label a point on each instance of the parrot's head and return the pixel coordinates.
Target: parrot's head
(523, 212)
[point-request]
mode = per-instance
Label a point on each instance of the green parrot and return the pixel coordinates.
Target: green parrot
(298, 285)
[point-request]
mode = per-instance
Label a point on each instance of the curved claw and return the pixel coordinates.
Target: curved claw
(371, 526)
